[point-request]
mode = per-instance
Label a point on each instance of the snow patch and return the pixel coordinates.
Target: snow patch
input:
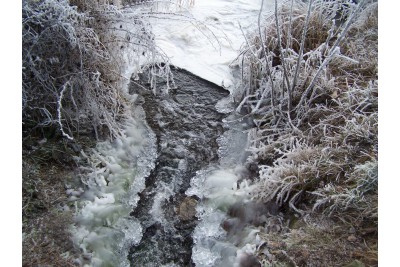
(207, 38)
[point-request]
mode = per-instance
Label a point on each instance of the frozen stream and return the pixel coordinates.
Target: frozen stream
(199, 173)
(160, 196)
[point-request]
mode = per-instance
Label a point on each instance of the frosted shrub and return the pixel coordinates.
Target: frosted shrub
(309, 82)
(74, 59)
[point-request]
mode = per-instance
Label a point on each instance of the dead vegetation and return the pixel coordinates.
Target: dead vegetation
(316, 240)
(46, 211)
(310, 84)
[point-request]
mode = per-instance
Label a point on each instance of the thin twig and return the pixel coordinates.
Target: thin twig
(282, 56)
(266, 57)
(59, 107)
(303, 40)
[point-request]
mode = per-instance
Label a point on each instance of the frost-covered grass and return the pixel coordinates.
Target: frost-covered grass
(310, 84)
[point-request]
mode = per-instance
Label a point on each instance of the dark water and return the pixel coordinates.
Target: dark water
(187, 125)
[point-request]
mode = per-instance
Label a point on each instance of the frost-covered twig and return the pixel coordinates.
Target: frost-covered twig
(282, 56)
(333, 51)
(59, 107)
(301, 51)
(266, 52)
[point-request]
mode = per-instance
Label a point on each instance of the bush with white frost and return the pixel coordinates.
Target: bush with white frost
(74, 57)
(309, 82)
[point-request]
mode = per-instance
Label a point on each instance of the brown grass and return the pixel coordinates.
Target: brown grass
(46, 239)
(319, 241)
(48, 170)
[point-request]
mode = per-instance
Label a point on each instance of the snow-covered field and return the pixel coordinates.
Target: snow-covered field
(205, 38)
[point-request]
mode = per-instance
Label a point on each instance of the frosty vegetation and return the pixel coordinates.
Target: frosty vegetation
(78, 57)
(73, 64)
(310, 84)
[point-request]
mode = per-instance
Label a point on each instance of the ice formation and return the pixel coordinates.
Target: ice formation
(104, 231)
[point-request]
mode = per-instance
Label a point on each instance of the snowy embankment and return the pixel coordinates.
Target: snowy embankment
(206, 38)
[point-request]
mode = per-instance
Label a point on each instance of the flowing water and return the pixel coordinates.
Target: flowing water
(160, 195)
(187, 125)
